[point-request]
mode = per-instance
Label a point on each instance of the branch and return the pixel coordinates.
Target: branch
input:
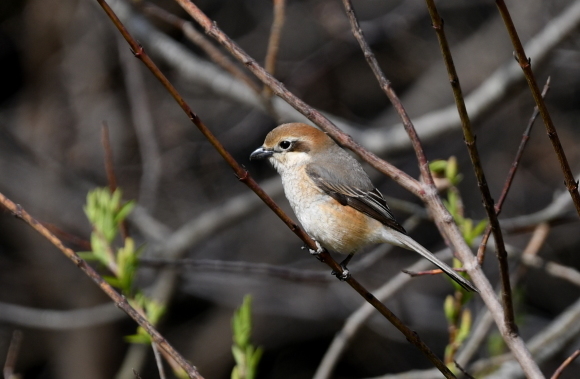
(119, 300)
(565, 364)
(59, 319)
(274, 42)
(526, 66)
(488, 203)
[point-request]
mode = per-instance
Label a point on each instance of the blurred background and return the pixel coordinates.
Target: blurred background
(64, 72)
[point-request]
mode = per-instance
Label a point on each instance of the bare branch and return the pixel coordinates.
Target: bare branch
(526, 66)
(565, 364)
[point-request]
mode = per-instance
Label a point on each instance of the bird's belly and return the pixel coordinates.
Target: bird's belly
(337, 227)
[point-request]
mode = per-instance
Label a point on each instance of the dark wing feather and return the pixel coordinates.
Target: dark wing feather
(368, 201)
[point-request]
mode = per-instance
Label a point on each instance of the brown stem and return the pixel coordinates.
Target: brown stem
(274, 42)
(565, 364)
(119, 300)
(385, 85)
(469, 137)
(525, 64)
(511, 175)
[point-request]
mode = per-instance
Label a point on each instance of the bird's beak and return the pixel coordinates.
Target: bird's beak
(261, 153)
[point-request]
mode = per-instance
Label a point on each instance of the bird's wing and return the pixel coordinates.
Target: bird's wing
(361, 196)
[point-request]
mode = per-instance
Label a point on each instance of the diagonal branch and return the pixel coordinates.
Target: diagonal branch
(469, 137)
(119, 300)
(526, 66)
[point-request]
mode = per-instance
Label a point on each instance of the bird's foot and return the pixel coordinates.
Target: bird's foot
(345, 274)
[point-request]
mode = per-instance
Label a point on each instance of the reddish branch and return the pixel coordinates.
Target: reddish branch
(565, 364)
(525, 64)
(244, 176)
(506, 293)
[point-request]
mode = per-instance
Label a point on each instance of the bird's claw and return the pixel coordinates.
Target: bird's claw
(342, 276)
(319, 249)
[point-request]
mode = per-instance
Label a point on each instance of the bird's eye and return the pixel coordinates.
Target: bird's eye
(285, 145)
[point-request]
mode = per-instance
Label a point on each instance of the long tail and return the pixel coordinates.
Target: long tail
(409, 243)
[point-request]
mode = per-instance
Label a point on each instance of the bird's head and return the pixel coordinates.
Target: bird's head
(292, 145)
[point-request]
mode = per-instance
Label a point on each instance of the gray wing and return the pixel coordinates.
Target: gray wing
(355, 190)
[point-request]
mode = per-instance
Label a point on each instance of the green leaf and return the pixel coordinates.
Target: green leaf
(438, 166)
(449, 309)
(465, 326)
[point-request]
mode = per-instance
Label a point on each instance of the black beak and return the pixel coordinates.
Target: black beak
(261, 153)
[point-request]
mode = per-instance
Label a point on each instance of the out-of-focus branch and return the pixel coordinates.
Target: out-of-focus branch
(274, 42)
(12, 355)
(119, 300)
(511, 174)
(488, 204)
(202, 42)
(57, 319)
(526, 66)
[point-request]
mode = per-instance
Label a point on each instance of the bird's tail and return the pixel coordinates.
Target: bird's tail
(409, 243)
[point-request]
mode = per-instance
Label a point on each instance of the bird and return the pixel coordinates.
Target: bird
(334, 198)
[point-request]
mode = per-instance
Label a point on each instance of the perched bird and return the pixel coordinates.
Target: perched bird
(333, 197)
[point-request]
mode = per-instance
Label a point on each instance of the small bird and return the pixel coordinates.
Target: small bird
(333, 197)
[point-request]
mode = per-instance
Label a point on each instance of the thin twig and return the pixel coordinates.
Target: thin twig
(469, 137)
(274, 42)
(525, 64)
(511, 174)
(202, 42)
(565, 364)
(385, 85)
(12, 355)
(119, 300)
(244, 176)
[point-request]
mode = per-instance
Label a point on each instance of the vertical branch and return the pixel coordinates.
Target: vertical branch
(526, 65)
(12, 355)
(274, 42)
(390, 92)
(469, 137)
